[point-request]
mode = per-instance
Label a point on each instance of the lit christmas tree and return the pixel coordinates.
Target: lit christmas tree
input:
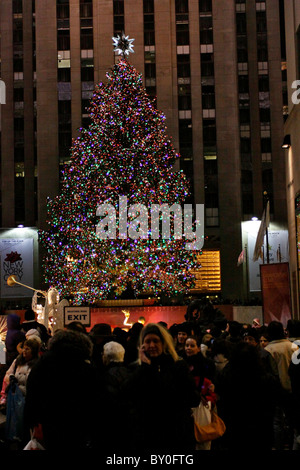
(124, 153)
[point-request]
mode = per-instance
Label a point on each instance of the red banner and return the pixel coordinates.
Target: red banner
(276, 296)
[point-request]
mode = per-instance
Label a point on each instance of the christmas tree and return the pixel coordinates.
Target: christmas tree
(124, 155)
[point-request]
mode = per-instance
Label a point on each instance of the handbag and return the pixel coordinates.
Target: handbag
(207, 427)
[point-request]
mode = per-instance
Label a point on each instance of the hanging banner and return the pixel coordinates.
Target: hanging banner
(276, 296)
(16, 257)
(278, 253)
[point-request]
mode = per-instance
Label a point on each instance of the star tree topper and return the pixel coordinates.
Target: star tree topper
(123, 45)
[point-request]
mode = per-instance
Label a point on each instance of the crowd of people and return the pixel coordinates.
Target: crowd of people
(136, 389)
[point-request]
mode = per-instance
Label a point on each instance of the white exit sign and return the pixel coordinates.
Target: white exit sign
(81, 314)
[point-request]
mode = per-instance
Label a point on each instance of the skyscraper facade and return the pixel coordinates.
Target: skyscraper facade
(214, 67)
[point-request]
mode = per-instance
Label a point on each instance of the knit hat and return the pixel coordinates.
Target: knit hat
(185, 327)
(251, 332)
(33, 334)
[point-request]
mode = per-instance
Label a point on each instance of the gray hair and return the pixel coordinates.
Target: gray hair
(113, 352)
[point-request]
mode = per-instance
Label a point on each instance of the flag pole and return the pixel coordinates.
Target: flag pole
(266, 200)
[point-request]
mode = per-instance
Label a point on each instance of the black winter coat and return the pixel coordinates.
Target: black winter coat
(64, 396)
(159, 400)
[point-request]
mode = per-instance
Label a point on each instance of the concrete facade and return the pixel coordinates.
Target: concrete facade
(292, 162)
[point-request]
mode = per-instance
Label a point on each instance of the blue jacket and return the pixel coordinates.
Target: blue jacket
(14, 336)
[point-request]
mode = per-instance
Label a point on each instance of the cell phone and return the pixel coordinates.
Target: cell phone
(145, 352)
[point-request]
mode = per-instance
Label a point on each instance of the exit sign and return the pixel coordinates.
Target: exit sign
(81, 314)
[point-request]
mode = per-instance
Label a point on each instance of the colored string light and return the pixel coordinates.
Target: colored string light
(124, 151)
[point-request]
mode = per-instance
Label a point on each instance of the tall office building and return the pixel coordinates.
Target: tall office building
(214, 67)
(292, 146)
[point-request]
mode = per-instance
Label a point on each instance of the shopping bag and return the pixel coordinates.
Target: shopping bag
(207, 424)
(33, 444)
(14, 413)
(202, 414)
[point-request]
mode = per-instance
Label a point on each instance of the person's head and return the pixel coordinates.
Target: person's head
(30, 350)
(275, 330)
(263, 340)
(183, 330)
(206, 339)
(251, 336)
(33, 333)
(13, 321)
(69, 343)
(113, 352)
(76, 326)
(234, 329)
(192, 346)
(157, 341)
(221, 352)
(101, 333)
(293, 328)
(29, 314)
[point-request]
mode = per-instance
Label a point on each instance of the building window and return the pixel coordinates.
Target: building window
(149, 34)
(205, 6)
(206, 30)
(118, 8)
(261, 21)
(17, 6)
(183, 65)
(207, 65)
(181, 6)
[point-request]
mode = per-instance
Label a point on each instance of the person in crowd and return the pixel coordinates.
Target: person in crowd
(221, 350)
(282, 350)
(206, 343)
(65, 395)
(293, 330)
(30, 322)
(201, 368)
(18, 374)
(120, 335)
(131, 348)
(76, 326)
(183, 330)
(294, 373)
(21, 366)
(173, 329)
(263, 336)
(245, 401)
(100, 334)
(256, 323)
(115, 374)
(160, 388)
(252, 336)
(234, 332)
(14, 337)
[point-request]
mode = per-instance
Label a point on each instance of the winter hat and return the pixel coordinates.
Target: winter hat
(33, 334)
(251, 332)
(185, 327)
